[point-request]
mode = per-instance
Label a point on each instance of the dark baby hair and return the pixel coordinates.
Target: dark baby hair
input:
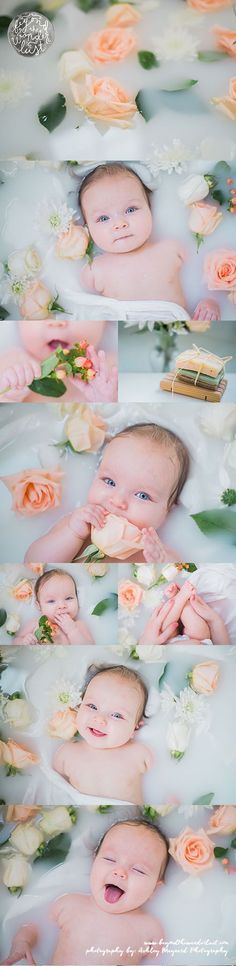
(45, 577)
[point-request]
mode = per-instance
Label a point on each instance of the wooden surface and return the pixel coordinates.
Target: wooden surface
(197, 392)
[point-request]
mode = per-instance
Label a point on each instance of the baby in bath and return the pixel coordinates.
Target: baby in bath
(140, 477)
(116, 208)
(196, 620)
(107, 762)
(19, 366)
(111, 923)
(57, 599)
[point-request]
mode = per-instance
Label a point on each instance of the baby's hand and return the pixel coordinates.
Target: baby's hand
(153, 548)
(104, 386)
(21, 948)
(85, 517)
(18, 377)
(153, 632)
(28, 638)
(207, 311)
(201, 608)
(66, 623)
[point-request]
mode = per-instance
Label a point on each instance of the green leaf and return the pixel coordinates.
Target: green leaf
(228, 497)
(190, 568)
(87, 5)
(49, 364)
(147, 59)
(56, 850)
(103, 809)
(221, 167)
(161, 679)
(219, 196)
(48, 387)
(148, 103)
(50, 115)
(178, 86)
(205, 799)
(4, 24)
(3, 313)
(90, 250)
(109, 603)
(150, 812)
(3, 616)
(233, 844)
(209, 56)
(213, 522)
(55, 306)
(219, 852)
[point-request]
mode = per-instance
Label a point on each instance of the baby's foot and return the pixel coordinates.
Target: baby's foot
(172, 590)
(181, 598)
(207, 310)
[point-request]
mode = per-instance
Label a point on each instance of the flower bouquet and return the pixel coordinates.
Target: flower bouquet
(62, 363)
(45, 631)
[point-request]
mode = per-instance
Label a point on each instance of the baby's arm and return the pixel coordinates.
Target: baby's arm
(153, 632)
(26, 634)
(25, 937)
(17, 371)
(91, 276)
(65, 540)
(154, 550)
(60, 758)
(218, 629)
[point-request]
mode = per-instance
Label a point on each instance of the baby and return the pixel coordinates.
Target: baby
(140, 477)
(111, 925)
(107, 762)
(116, 207)
(19, 366)
(195, 619)
(57, 599)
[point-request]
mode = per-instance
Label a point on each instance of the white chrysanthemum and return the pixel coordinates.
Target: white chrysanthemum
(176, 43)
(152, 597)
(126, 642)
(168, 700)
(14, 85)
(52, 218)
(171, 157)
(191, 707)
(140, 325)
(64, 694)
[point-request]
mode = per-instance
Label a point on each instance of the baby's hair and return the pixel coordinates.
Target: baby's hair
(126, 673)
(141, 823)
(109, 169)
(159, 434)
(44, 578)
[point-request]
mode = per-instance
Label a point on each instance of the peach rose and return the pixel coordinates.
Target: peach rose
(118, 538)
(103, 100)
(36, 301)
(220, 269)
(17, 756)
(226, 39)
(63, 724)
(85, 430)
(23, 590)
(21, 813)
(35, 491)
(72, 243)
(111, 44)
(223, 820)
(204, 677)
(228, 104)
(204, 219)
(122, 15)
(208, 6)
(194, 851)
(232, 88)
(130, 594)
(37, 568)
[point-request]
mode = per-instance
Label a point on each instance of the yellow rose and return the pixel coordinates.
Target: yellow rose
(16, 756)
(204, 677)
(35, 302)
(17, 713)
(85, 430)
(103, 99)
(122, 15)
(118, 538)
(34, 491)
(204, 219)
(26, 838)
(16, 871)
(72, 243)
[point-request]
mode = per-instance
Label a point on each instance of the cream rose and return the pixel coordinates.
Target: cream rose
(72, 243)
(170, 572)
(21, 813)
(130, 594)
(17, 713)
(63, 724)
(103, 99)
(150, 653)
(85, 430)
(16, 756)
(26, 838)
(193, 189)
(25, 262)
(226, 40)
(220, 270)
(73, 63)
(97, 569)
(122, 15)
(16, 871)
(223, 820)
(204, 219)
(204, 677)
(12, 624)
(35, 491)
(146, 574)
(23, 590)
(118, 538)
(36, 302)
(109, 45)
(208, 6)
(57, 820)
(193, 851)
(37, 568)
(178, 736)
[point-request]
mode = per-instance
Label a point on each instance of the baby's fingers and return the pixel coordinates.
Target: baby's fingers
(9, 379)
(169, 632)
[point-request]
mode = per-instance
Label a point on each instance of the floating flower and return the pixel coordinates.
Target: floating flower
(97, 569)
(208, 6)
(16, 871)
(17, 757)
(191, 708)
(85, 429)
(73, 63)
(17, 712)
(110, 45)
(26, 838)
(228, 104)
(37, 568)
(22, 591)
(170, 571)
(53, 218)
(223, 820)
(21, 813)
(57, 820)
(152, 597)
(193, 851)
(150, 653)
(63, 724)
(122, 15)
(103, 99)
(178, 736)
(35, 300)
(117, 538)
(222, 425)
(24, 262)
(72, 243)
(12, 624)
(130, 595)
(146, 574)
(171, 157)
(204, 678)
(204, 219)
(65, 694)
(228, 467)
(176, 43)
(126, 642)
(193, 189)
(220, 269)
(226, 40)
(35, 491)
(14, 85)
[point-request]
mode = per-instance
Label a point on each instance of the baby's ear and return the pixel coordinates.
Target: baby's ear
(139, 724)
(160, 882)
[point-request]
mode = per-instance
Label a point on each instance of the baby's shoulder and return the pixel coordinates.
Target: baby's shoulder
(143, 755)
(153, 930)
(172, 247)
(66, 907)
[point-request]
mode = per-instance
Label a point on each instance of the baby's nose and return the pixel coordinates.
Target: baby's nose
(121, 872)
(57, 323)
(119, 499)
(121, 222)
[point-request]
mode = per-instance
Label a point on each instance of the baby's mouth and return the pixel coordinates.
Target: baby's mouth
(98, 734)
(112, 893)
(56, 343)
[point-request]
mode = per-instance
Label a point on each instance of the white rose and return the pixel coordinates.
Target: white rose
(24, 262)
(57, 820)
(221, 424)
(17, 712)
(178, 735)
(152, 597)
(170, 572)
(146, 574)
(228, 469)
(194, 188)
(27, 838)
(150, 652)
(16, 872)
(74, 62)
(12, 624)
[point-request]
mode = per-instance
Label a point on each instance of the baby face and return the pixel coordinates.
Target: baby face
(58, 597)
(42, 338)
(109, 711)
(126, 869)
(117, 213)
(135, 479)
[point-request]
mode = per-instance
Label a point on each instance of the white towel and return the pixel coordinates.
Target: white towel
(97, 307)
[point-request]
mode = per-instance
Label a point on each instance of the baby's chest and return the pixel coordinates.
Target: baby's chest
(102, 938)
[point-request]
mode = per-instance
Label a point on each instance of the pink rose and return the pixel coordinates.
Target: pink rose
(111, 44)
(36, 301)
(118, 538)
(34, 491)
(193, 851)
(204, 219)
(63, 724)
(23, 590)
(72, 243)
(223, 820)
(204, 677)
(21, 813)
(103, 99)
(122, 15)
(226, 39)
(130, 594)
(227, 104)
(220, 269)
(208, 6)
(17, 756)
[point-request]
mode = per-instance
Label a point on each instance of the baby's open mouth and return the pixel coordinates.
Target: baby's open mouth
(98, 734)
(112, 893)
(56, 343)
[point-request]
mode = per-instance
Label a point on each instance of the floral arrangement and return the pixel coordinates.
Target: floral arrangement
(146, 588)
(189, 707)
(62, 363)
(38, 834)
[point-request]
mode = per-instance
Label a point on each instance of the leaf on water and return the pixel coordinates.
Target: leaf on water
(109, 603)
(50, 115)
(4, 24)
(3, 616)
(181, 85)
(209, 56)
(3, 313)
(219, 852)
(205, 799)
(56, 850)
(87, 5)
(147, 59)
(213, 522)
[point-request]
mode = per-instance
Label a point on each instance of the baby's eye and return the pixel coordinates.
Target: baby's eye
(135, 869)
(51, 601)
(129, 211)
(93, 706)
(103, 218)
(108, 481)
(107, 858)
(117, 715)
(69, 598)
(142, 495)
